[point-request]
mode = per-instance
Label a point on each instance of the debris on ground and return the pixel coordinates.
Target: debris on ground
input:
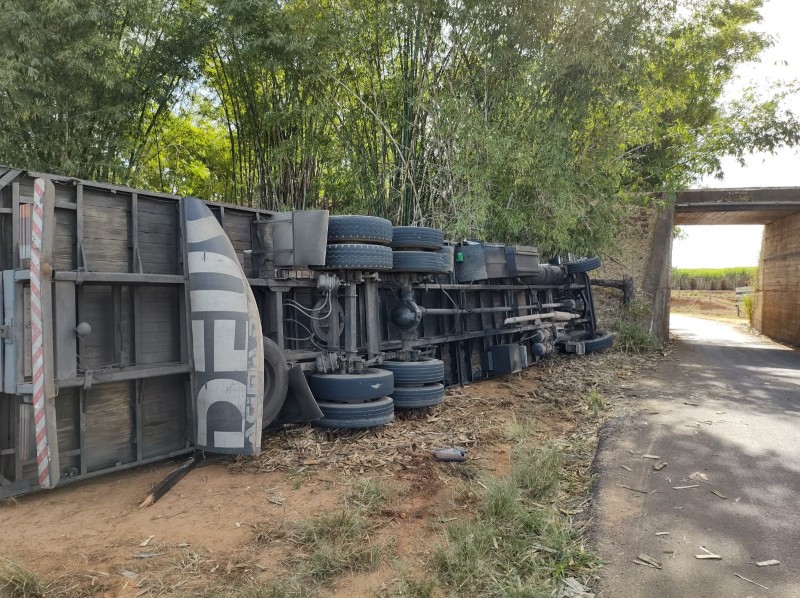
(660, 466)
(147, 555)
(768, 563)
(644, 559)
(708, 555)
(633, 489)
(720, 494)
(173, 477)
(469, 418)
(698, 476)
(453, 454)
(755, 583)
(572, 588)
(656, 457)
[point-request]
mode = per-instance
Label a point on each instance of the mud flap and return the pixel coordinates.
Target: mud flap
(300, 405)
(227, 347)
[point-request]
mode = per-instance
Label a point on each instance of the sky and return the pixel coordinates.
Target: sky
(731, 246)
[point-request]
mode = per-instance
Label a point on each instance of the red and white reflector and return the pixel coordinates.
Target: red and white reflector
(39, 408)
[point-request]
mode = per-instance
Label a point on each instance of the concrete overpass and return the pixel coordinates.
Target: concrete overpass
(777, 312)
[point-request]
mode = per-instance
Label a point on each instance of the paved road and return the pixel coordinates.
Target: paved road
(743, 435)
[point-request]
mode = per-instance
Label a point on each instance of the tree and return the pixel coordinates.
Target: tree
(84, 84)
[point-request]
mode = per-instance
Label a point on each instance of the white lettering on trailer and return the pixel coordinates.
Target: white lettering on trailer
(226, 358)
(207, 261)
(218, 301)
(201, 230)
(199, 345)
(220, 390)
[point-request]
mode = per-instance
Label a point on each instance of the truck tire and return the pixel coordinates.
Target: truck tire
(358, 256)
(418, 261)
(276, 381)
(425, 371)
(359, 229)
(417, 237)
(586, 264)
(371, 384)
(356, 415)
(418, 397)
(602, 340)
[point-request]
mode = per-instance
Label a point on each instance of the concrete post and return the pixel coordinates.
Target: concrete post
(658, 274)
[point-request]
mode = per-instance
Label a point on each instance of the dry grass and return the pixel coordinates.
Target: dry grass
(542, 421)
(17, 581)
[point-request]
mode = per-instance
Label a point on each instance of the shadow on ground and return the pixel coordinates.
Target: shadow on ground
(740, 430)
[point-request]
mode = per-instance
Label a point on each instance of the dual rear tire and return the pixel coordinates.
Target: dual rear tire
(418, 384)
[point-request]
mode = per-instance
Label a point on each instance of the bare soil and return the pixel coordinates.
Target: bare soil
(92, 538)
(715, 305)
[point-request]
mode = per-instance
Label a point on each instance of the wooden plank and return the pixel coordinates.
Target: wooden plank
(131, 373)
(9, 176)
(109, 429)
(135, 265)
(64, 342)
(121, 278)
(15, 226)
(13, 343)
(27, 340)
(2, 341)
(81, 265)
(119, 349)
(136, 389)
(49, 224)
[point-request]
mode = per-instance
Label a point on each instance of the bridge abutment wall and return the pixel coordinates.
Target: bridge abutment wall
(777, 302)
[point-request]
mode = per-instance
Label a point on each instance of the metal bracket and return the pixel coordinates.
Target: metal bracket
(577, 347)
(328, 362)
(5, 331)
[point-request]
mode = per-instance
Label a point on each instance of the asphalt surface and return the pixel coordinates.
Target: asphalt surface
(742, 434)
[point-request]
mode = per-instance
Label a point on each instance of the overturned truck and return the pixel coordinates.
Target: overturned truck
(138, 326)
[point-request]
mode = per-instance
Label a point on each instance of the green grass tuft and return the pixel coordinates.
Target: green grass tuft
(515, 546)
(537, 472)
(596, 402)
(631, 328)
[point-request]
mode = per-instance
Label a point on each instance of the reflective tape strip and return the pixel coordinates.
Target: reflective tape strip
(37, 351)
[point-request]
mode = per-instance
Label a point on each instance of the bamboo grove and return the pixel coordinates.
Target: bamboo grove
(506, 119)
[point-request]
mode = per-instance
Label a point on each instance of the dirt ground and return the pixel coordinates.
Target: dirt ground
(707, 304)
(91, 538)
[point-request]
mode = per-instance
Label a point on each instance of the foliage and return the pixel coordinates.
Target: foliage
(83, 84)
(516, 121)
(712, 279)
(749, 304)
(632, 329)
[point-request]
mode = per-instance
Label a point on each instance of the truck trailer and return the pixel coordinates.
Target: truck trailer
(138, 326)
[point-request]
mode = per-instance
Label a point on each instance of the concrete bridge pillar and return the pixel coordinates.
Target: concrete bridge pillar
(777, 306)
